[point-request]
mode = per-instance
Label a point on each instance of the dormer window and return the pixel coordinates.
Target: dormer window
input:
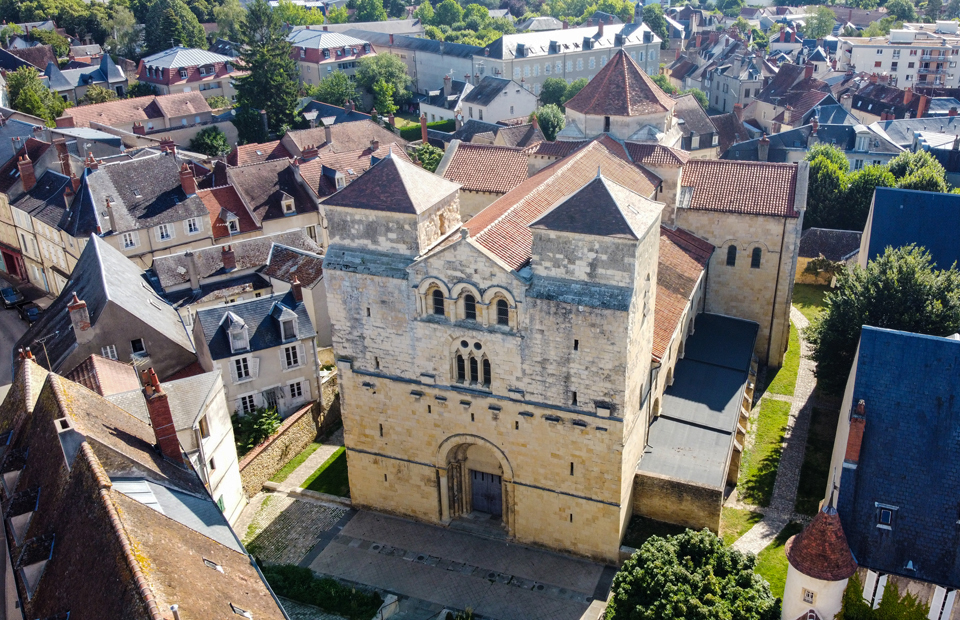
(233, 226)
(32, 560)
(288, 207)
(238, 332)
(183, 73)
(289, 329)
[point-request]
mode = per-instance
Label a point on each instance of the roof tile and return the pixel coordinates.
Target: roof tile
(486, 168)
(739, 187)
(621, 89)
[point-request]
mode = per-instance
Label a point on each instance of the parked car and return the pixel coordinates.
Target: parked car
(29, 312)
(11, 297)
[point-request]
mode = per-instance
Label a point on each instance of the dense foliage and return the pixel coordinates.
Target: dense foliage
(892, 606)
(556, 91)
(252, 429)
(97, 94)
(386, 67)
(31, 96)
(899, 290)
(335, 89)
(551, 120)
(210, 141)
(429, 156)
(59, 43)
(300, 584)
(172, 23)
(690, 576)
(413, 132)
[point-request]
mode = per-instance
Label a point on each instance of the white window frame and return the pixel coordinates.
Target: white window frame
(109, 351)
(168, 230)
(252, 367)
(233, 227)
(183, 74)
(293, 326)
(234, 347)
(298, 353)
(194, 222)
(304, 393)
(241, 402)
(130, 240)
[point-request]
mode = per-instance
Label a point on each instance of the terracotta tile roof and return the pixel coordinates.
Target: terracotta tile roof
(502, 227)
(124, 111)
(683, 257)
(226, 198)
(730, 130)
(263, 187)
(486, 168)
(555, 149)
(821, 550)
(621, 89)
(521, 135)
(656, 155)
(801, 102)
(105, 376)
(38, 55)
(241, 155)
(286, 263)
(351, 163)
(739, 187)
(351, 136)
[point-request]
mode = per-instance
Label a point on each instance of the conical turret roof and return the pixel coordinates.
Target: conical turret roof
(821, 550)
(621, 89)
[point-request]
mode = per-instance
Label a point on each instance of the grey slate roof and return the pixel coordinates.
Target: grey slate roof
(905, 216)
(831, 115)
(11, 130)
(45, 201)
(325, 110)
(487, 91)
(693, 436)
(187, 398)
(505, 48)
(600, 208)
(258, 313)
(217, 291)
(909, 457)
(900, 131)
(180, 56)
(457, 50)
(694, 118)
(842, 136)
(106, 72)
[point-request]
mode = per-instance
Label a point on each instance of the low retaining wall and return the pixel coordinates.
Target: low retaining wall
(676, 501)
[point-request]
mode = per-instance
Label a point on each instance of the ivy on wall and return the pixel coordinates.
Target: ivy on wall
(892, 605)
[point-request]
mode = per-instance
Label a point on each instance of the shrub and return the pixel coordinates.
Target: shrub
(412, 132)
(252, 429)
(300, 584)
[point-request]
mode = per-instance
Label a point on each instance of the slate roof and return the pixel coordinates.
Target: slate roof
(263, 186)
(621, 88)
(394, 185)
(487, 91)
(340, 115)
(9, 172)
(257, 313)
(67, 79)
(781, 83)
(539, 24)
(105, 376)
(538, 43)
(835, 245)
(694, 118)
(349, 163)
(45, 201)
(180, 56)
(187, 398)
(286, 263)
(730, 130)
(415, 44)
(903, 216)
(683, 258)
(103, 275)
(739, 187)
(172, 270)
(10, 130)
(128, 111)
(821, 550)
(502, 227)
(521, 135)
(901, 131)
(843, 137)
(485, 167)
(221, 201)
(345, 137)
(909, 386)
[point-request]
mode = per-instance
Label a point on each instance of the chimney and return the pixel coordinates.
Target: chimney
(846, 101)
(907, 95)
(814, 125)
(90, 162)
(139, 129)
(328, 134)
(311, 151)
(348, 106)
(922, 107)
(787, 115)
(808, 71)
(446, 85)
(297, 289)
(392, 120)
(677, 55)
(63, 155)
(65, 122)
(458, 122)
(600, 29)
(423, 128)
(161, 418)
(953, 111)
(536, 123)
(80, 319)
(956, 143)
(565, 24)
(873, 78)
(192, 270)
(228, 258)
(793, 36)
(699, 39)
(111, 217)
(763, 148)
(75, 182)
(167, 145)
(374, 145)
(187, 181)
(391, 40)
(738, 111)
(28, 177)
(858, 420)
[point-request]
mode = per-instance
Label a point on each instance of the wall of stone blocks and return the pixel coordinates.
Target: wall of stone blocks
(675, 501)
(261, 463)
(472, 203)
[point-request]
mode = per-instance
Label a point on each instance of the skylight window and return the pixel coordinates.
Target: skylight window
(136, 192)
(213, 565)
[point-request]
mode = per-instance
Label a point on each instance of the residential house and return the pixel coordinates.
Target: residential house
(183, 70)
(787, 98)
(13, 136)
(319, 52)
(339, 138)
(699, 135)
(72, 84)
(444, 104)
(731, 129)
(482, 132)
(411, 26)
(485, 172)
(241, 155)
(229, 216)
(903, 132)
(917, 58)
(540, 24)
(837, 246)
(873, 98)
(289, 266)
(88, 54)
(37, 55)
(143, 115)
(267, 347)
(491, 100)
(108, 308)
(317, 112)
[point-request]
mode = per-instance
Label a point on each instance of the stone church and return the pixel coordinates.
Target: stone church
(581, 350)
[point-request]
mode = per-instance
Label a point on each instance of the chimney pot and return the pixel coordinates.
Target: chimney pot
(738, 111)
(79, 318)
(228, 258)
(28, 177)
(763, 148)
(423, 128)
(187, 180)
(858, 421)
(600, 28)
(297, 289)
(161, 418)
(374, 144)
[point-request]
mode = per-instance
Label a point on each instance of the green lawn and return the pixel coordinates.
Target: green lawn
(331, 477)
(642, 528)
(785, 381)
(808, 298)
(758, 469)
(735, 522)
(816, 460)
(295, 462)
(772, 561)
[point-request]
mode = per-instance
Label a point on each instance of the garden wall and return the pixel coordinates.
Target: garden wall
(677, 501)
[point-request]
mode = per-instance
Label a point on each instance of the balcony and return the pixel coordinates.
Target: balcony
(931, 71)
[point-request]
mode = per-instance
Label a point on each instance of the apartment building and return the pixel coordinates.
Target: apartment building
(183, 70)
(914, 58)
(319, 53)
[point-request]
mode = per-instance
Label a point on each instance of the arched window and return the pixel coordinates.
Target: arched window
(461, 369)
(503, 312)
(486, 372)
(438, 302)
(470, 308)
(474, 371)
(755, 258)
(731, 256)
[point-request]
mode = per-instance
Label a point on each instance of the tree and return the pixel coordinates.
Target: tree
(252, 429)
(953, 9)
(743, 26)
(219, 103)
(297, 14)
(664, 83)
(371, 11)
(898, 290)
(690, 576)
(448, 13)
(335, 89)
(396, 9)
(429, 156)
(97, 94)
(655, 21)
(9, 30)
(172, 23)
(821, 23)
(730, 8)
(338, 15)
(30, 96)
(425, 12)
(575, 87)
(140, 89)
(859, 195)
(59, 43)
(272, 83)
(919, 170)
(901, 10)
(552, 91)
(230, 17)
(387, 67)
(825, 193)
(383, 97)
(932, 11)
(125, 36)
(550, 119)
(210, 141)
(699, 95)
(831, 152)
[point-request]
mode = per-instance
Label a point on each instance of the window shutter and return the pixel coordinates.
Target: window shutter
(283, 358)
(300, 357)
(156, 233)
(937, 603)
(233, 371)
(948, 606)
(254, 367)
(881, 584)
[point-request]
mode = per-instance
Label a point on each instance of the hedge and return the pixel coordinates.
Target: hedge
(301, 585)
(412, 133)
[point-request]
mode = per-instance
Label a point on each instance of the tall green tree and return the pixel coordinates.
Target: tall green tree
(124, 34)
(210, 141)
(426, 14)
(655, 21)
(831, 152)
(272, 83)
(338, 15)
(383, 97)
(297, 14)
(573, 88)
(171, 24)
(932, 10)
(230, 17)
(550, 119)
(335, 89)
(387, 67)
(821, 23)
(59, 43)
(953, 9)
(902, 10)
(552, 91)
(859, 195)
(30, 96)
(448, 13)
(825, 194)
(919, 170)
(899, 290)
(690, 576)
(9, 31)
(370, 11)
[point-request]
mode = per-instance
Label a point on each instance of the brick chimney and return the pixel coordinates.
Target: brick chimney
(348, 106)
(28, 177)
(600, 28)
(808, 71)
(922, 107)
(738, 111)
(814, 126)
(952, 111)
(536, 123)
(374, 145)
(392, 120)
(566, 24)
(161, 418)
(63, 155)
(311, 151)
(858, 421)
(907, 95)
(91, 162)
(297, 289)
(139, 129)
(423, 128)
(391, 40)
(187, 182)
(763, 148)
(75, 182)
(80, 319)
(228, 258)
(65, 122)
(787, 115)
(167, 145)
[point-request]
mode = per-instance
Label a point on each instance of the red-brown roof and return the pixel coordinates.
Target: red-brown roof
(621, 89)
(226, 198)
(555, 149)
(256, 153)
(350, 136)
(502, 227)
(486, 168)
(105, 376)
(38, 55)
(351, 163)
(124, 111)
(683, 257)
(755, 188)
(821, 550)
(656, 155)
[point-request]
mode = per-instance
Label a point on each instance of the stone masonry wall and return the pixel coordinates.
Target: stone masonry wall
(674, 501)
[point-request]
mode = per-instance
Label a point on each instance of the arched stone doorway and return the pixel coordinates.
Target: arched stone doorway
(475, 477)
